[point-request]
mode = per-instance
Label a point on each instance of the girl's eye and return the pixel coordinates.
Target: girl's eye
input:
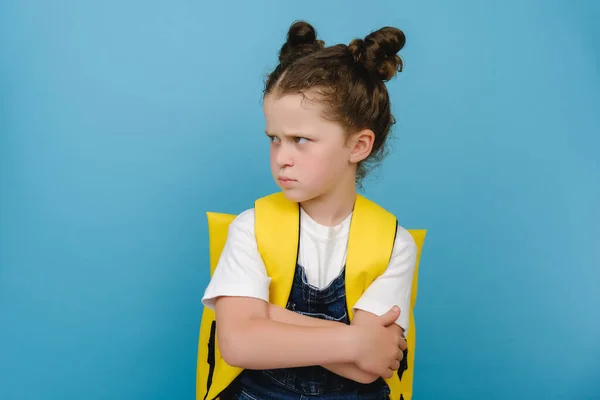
(273, 139)
(300, 139)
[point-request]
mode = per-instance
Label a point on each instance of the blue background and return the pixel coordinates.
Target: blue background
(122, 123)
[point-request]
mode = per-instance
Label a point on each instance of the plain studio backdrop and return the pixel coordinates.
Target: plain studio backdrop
(123, 123)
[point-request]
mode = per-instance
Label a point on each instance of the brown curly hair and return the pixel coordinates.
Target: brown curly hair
(349, 79)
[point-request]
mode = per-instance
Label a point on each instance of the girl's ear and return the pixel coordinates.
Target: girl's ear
(361, 144)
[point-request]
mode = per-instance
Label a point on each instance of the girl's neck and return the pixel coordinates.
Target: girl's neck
(330, 209)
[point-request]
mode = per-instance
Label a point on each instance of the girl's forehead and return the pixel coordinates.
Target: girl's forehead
(294, 112)
(294, 103)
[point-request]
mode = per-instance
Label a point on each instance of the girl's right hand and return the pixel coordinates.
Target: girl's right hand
(379, 348)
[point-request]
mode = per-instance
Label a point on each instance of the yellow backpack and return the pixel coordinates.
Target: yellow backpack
(370, 243)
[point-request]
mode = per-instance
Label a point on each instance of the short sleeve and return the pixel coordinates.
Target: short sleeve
(394, 286)
(240, 270)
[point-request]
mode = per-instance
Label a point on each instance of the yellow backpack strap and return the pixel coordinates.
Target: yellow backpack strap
(370, 245)
(277, 230)
(218, 225)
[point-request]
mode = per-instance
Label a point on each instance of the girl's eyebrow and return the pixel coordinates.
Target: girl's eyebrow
(286, 134)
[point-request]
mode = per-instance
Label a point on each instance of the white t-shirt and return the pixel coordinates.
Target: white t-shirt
(241, 271)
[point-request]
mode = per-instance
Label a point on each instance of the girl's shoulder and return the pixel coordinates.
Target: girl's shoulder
(245, 219)
(404, 236)
(404, 245)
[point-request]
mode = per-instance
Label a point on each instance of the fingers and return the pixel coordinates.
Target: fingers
(390, 317)
(387, 374)
(402, 344)
(400, 356)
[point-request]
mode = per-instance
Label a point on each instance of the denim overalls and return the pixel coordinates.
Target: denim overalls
(313, 382)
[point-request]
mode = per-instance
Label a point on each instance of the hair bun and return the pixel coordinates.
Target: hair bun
(301, 41)
(378, 52)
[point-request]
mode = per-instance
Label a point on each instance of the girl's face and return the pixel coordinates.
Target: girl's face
(310, 156)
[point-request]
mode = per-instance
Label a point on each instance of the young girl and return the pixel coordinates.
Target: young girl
(328, 115)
